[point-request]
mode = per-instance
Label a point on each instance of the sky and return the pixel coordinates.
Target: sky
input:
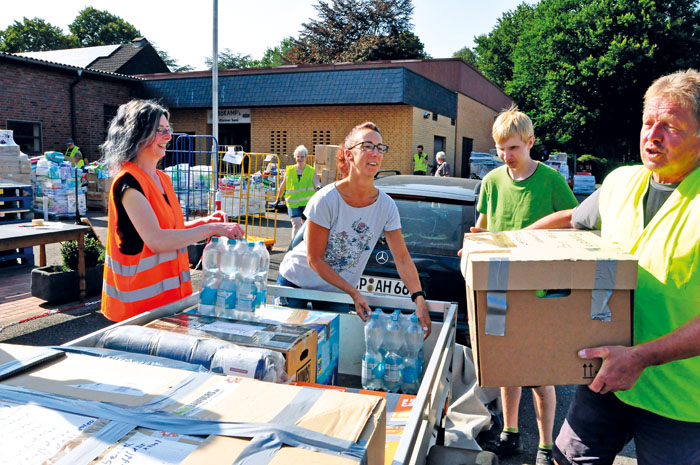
(184, 29)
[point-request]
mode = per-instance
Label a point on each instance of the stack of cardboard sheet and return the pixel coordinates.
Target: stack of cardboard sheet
(92, 410)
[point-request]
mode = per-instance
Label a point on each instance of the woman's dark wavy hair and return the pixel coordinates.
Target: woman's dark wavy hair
(342, 164)
(131, 129)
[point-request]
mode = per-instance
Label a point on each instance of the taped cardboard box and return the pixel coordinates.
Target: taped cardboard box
(297, 344)
(134, 394)
(535, 298)
(325, 155)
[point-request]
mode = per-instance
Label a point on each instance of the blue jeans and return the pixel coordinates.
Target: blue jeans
(292, 302)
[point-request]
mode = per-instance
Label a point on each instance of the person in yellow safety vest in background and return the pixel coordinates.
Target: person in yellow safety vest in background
(420, 162)
(299, 184)
(73, 154)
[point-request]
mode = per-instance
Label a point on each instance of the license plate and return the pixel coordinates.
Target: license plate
(382, 286)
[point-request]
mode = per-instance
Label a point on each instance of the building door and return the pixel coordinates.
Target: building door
(439, 144)
(467, 147)
(235, 134)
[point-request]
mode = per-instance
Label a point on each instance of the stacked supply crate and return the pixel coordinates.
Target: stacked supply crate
(325, 163)
(55, 187)
(16, 207)
(98, 184)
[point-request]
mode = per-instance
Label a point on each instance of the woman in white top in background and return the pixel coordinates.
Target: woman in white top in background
(345, 220)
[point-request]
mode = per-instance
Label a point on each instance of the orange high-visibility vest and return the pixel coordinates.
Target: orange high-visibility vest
(135, 284)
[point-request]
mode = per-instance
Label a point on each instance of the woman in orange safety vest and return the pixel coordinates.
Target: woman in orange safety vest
(146, 261)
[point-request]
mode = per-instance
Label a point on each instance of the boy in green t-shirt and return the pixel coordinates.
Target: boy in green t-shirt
(512, 197)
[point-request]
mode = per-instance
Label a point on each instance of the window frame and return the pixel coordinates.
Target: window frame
(15, 136)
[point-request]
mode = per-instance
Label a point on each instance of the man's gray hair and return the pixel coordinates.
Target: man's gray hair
(440, 155)
(682, 87)
(133, 128)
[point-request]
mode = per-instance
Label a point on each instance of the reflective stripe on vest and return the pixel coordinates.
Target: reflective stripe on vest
(135, 284)
(420, 162)
(668, 283)
(298, 191)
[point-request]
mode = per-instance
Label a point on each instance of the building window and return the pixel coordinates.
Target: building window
(278, 142)
(435, 116)
(27, 134)
(320, 138)
(110, 111)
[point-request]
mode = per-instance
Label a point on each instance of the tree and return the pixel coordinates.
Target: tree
(580, 68)
(466, 54)
(230, 60)
(96, 27)
(171, 62)
(33, 35)
(495, 51)
(357, 30)
(277, 56)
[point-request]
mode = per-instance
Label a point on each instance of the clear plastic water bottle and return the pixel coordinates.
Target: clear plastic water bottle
(210, 279)
(413, 360)
(261, 274)
(245, 291)
(228, 267)
(372, 360)
(393, 362)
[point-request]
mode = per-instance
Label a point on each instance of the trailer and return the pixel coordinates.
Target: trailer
(429, 406)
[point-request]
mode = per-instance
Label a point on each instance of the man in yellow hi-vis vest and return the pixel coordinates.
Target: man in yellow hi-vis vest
(648, 392)
(420, 162)
(73, 154)
(299, 184)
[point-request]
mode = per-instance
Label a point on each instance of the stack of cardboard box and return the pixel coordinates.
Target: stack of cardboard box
(98, 191)
(14, 165)
(324, 163)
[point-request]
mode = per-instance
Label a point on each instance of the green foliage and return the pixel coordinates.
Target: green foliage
(466, 54)
(579, 68)
(94, 254)
(357, 30)
(171, 62)
(97, 27)
(277, 56)
(34, 35)
(230, 60)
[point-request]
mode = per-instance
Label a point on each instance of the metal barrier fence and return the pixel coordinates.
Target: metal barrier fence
(189, 163)
(248, 184)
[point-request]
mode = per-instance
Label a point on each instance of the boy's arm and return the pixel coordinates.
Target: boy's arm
(481, 224)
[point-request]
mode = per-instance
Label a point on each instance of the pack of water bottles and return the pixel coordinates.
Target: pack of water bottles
(393, 358)
(235, 277)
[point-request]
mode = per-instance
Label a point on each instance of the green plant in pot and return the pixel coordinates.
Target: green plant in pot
(57, 284)
(94, 254)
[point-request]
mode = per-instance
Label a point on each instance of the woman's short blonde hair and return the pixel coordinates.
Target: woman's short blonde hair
(301, 149)
(512, 122)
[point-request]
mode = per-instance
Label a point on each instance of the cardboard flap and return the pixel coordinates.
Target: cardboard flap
(546, 259)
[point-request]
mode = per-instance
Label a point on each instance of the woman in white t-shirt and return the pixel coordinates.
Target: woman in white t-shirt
(346, 218)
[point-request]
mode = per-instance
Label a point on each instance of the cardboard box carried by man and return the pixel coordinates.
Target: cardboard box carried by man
(535, 298)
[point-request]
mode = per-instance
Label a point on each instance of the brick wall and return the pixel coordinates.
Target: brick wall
(280, 130)
(41, 94)
(425, 130)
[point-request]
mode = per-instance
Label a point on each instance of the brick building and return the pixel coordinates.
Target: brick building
(44, 103)
(442, 104)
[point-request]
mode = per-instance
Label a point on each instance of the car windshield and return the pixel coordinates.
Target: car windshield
(434, 227)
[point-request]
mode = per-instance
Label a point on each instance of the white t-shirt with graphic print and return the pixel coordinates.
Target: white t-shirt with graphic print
(352, 236)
